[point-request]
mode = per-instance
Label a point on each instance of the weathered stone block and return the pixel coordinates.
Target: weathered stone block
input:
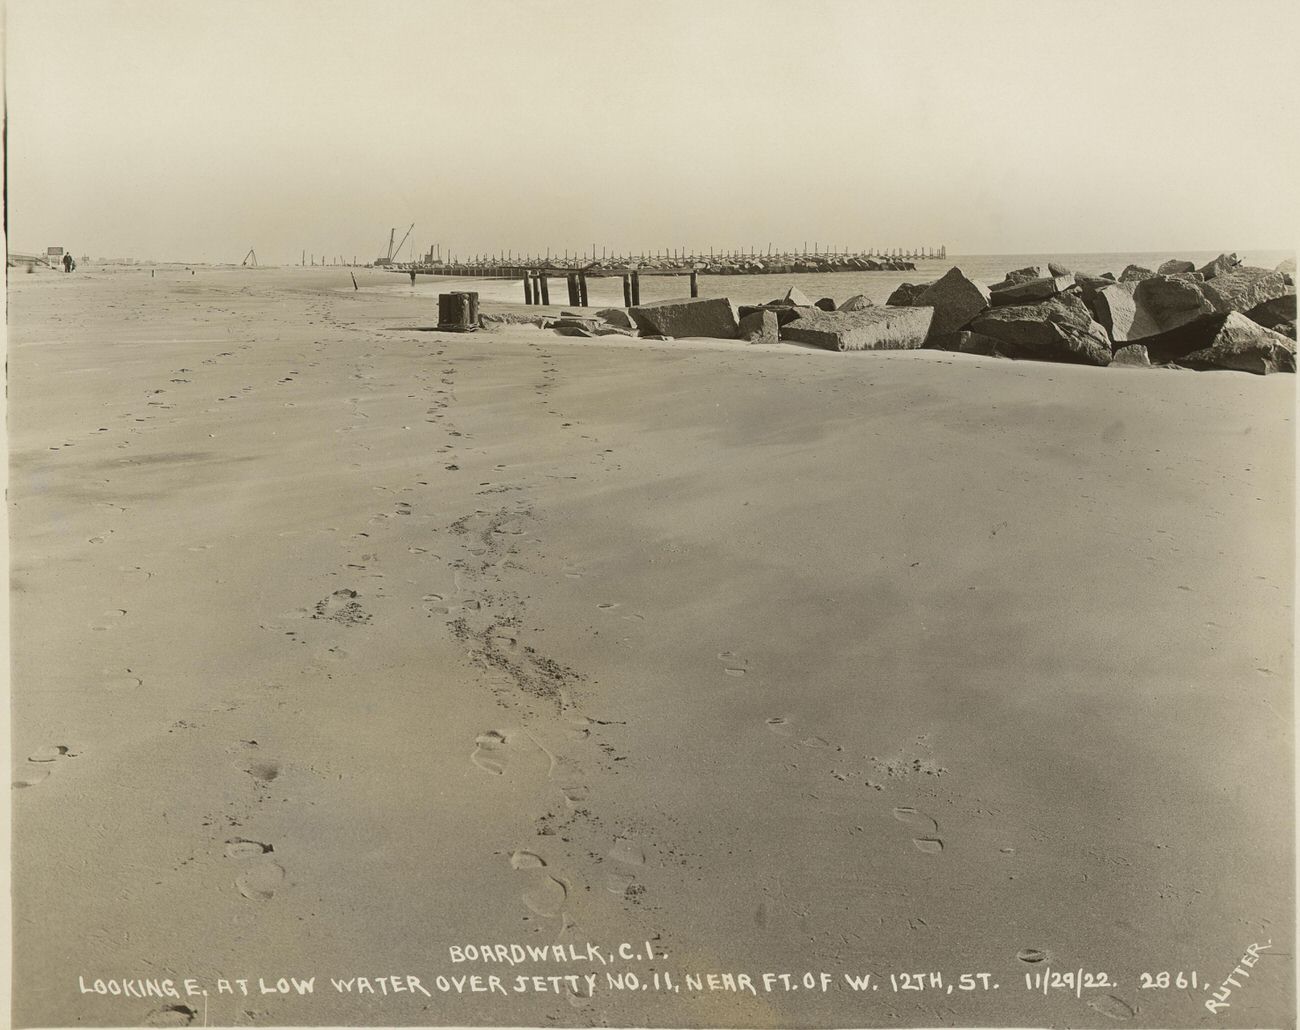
(887, 328)
(712, 317)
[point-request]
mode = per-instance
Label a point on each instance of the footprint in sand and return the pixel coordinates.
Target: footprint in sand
(547, 895)
(262, 770)
(630, 856)
(261, 881)
(109, 620)
(487, 754)
(30, 777)
(50, 753)
(732, 663)
(171, 1015)
(926, 828)
(435, 604)
(1112, 1007)
(239, 848)
(574, 797)
(1031, 956)
(780, 725)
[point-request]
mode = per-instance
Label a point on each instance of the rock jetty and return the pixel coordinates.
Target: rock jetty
(1224, 315)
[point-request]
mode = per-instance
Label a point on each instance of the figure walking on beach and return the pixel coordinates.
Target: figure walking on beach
(67, 262)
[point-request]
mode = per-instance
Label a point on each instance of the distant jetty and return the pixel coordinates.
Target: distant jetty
(511, 266)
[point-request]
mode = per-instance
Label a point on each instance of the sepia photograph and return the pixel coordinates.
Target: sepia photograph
(767, 514)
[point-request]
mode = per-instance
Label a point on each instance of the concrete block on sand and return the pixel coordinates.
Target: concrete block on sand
(713, 317)
(887, 328)
(760, 327)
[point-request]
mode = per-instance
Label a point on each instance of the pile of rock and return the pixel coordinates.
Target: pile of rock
(1224, 315)
(778, 264)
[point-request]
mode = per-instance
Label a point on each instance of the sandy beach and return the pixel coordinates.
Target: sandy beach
(340, 644)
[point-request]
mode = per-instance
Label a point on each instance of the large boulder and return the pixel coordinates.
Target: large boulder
(1018, 276)
(797, 297)
(784, 312)
(1245, 288)
(699, 317)
(956, 299)
(1135, 273)
(1057, 330)
(825, 303)
(906, 294)
(1274, 312)
(1137, 309)
(1286, 265)
(760, 326)
(887, 328)
(1031, 290)
(618, 317)
(1132, 356)
(1228, 341)
(856, 303)
(1173, 266)
(1222, 263)
(1054, 269)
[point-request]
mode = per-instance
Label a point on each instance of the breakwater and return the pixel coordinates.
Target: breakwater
(508, 266)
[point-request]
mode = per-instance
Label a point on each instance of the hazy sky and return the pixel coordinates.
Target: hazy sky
(193, 131)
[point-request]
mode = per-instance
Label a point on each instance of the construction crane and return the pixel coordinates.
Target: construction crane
(393, 250)
(250, 258)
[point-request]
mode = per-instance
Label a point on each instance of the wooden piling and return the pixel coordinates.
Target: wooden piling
(546, 293)
(573, 289)
(582, 287)
(627, 291)
(695, 283)
(636, 289)
(528, 290)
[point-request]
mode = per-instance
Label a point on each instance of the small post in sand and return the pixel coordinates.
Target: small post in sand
(528, 289)
(695, 283)
(546, 293)
(636, 288)
(582, 289)
(627, 291)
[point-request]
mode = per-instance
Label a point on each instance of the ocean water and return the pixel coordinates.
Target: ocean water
(839, 286)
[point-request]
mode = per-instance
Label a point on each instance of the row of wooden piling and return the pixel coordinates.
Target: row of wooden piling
(537, 288)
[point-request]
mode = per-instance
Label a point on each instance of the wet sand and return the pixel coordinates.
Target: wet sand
(339, 643)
